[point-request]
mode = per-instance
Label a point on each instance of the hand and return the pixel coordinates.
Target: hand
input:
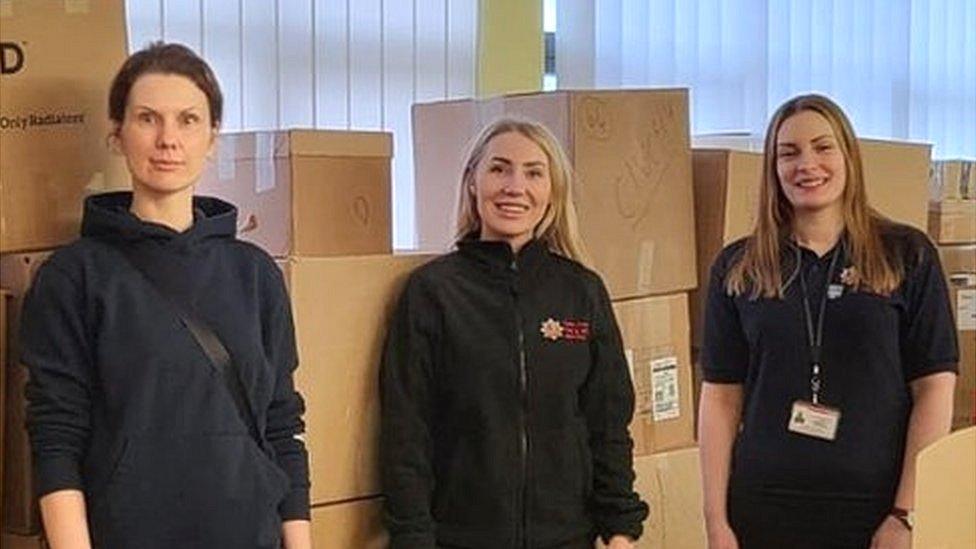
(721, 536)
(892, 534)
(621, 542)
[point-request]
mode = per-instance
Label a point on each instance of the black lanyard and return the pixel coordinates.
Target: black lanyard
(815, 338)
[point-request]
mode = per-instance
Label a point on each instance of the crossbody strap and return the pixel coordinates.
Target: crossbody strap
(203, 334)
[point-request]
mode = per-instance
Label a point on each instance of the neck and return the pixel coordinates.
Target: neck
(818, 230)
(173, 210)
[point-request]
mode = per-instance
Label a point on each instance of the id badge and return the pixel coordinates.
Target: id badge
(814, 420)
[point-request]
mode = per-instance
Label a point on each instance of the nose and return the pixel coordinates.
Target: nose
(167, 136)
(515, 183)
(806, 159)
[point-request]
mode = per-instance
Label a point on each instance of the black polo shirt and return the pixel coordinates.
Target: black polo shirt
(873, 346)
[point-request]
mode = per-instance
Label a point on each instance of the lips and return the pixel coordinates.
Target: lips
(165, 165)
(811, 183)
(513, 208)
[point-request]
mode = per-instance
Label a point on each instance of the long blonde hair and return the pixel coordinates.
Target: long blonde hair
(559, 228)
(757, 270)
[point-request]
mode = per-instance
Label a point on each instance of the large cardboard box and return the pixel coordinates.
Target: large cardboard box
(962, 293)
(307, 192)
(952, 179)
(356, 524)
(945, 493)
(19, 505)
(953, 221)
(958, 259)
(670, 483)
(655, 338)
(896, 175)
(57, 61)
(633, 167)
(342, 308)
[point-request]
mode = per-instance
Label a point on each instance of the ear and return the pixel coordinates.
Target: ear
(113, 140)
(214, 132)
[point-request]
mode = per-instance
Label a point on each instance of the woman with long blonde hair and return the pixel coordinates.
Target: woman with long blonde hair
(505, 392)
(829, 356)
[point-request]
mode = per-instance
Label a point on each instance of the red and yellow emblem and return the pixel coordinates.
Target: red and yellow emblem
(570, 330)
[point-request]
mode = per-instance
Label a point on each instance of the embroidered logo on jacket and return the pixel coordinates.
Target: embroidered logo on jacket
(570, 330)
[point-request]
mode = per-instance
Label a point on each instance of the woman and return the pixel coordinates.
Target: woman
(139, 440)
(829, 356)
(505, 391)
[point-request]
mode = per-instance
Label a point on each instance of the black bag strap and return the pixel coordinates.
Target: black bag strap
(206, 338)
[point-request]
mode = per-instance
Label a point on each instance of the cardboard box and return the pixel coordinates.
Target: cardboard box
(953, 221)
(356, 524)
(655, 337)
(307, 192)
(945, 493)
(15, 541)
(958, 259)
(58, 60)
(896, 175)
(19, 508)
(342, 308)
(962, 295)
(952, 179)
(670, 483)
(3, 375)
(633, 166)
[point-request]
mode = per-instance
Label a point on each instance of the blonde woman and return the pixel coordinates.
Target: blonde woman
(829, 358)
(505, 391)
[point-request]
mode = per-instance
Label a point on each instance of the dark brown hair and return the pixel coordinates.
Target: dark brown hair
(163, 58)
(757, 270)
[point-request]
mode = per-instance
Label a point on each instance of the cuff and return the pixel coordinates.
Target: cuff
(57, 473)
(295, 506)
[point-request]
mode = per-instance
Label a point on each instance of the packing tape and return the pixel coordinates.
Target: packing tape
(6, 8)
(77, 7)
(264, 162)
(645, 266)
(226, 158)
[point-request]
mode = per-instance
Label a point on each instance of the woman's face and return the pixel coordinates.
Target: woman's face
(166, 134)
(809, 162)
(511, 188)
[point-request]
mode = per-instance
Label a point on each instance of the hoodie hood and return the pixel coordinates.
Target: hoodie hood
(107, 217)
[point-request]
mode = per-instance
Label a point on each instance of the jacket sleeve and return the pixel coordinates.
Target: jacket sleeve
(607, 400)
(405, 439)
(285, 427)
(55, 346)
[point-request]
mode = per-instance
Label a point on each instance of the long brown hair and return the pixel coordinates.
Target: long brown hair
(559, 228)
(758, 269)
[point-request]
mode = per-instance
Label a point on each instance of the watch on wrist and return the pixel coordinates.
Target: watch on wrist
(904, 516)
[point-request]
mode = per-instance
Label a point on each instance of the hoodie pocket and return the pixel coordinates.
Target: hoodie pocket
(216, 489)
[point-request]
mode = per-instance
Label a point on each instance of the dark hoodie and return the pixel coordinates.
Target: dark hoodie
(124, 405)
(505, 404)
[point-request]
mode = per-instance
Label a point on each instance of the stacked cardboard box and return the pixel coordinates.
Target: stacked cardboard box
(53, 123)
(306, 192)
(633, 193)
(952, 224)
(945, 492)
(3, 372)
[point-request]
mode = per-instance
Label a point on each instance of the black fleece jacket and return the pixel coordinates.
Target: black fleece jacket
(124, 405)
(505, 404)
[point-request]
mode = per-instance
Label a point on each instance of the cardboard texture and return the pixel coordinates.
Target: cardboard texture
(342, 308)
(958, 259)
(945, 493)
(655, 337)
(19, 509)
(896, 175)
(356, 524)
(953, 221)
(633, 177)
(307, 192)
(670, 483)
(952, 179)
(962, 295)
(58, 61)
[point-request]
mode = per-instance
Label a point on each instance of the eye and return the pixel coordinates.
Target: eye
(190, 119)
(496, 168)
(824, 147)
(786, 153)
(535, 174)
(145, 117)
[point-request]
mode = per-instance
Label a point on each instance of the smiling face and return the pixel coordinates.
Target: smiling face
(810, 163)
(166, 134)
(512, 188)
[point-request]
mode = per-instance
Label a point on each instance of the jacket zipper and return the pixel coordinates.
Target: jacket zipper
(522, 538)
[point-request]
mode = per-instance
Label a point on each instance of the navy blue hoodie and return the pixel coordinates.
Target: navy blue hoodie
(124, 405)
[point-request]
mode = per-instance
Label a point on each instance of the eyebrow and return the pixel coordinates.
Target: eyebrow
(530, 164)
(814, 140)
(152, 110)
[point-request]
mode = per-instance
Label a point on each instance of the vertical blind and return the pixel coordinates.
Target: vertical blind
(337, 64)
(903, 69)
